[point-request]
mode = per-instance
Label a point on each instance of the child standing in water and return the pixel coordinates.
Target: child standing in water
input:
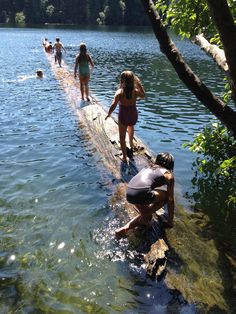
(83, 60)
(130, 90)
(58, 54)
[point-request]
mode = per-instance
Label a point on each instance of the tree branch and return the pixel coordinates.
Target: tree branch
(223, 112)
(214, 51)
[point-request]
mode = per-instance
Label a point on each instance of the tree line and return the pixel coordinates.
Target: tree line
(99, 12)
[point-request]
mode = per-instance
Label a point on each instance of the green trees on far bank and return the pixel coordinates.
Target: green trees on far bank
(90, 12)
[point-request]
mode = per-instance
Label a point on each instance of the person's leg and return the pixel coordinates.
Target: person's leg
(146, 211)
(86, 87)
(122, 134)
(81, 81)
(131, 135)
(136, 221)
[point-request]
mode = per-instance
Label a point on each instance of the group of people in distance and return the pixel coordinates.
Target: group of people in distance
(56, 48)
(152, 187)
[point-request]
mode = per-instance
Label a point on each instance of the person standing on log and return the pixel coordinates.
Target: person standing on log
(149, 190)
(58, 54)
(129, 91)
(83, 60)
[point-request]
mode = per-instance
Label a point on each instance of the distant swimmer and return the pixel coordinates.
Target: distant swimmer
(57, 48)
(39, 74)
(83, 60)
(149, 190)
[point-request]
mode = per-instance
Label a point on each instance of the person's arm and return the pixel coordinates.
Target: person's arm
(170, 201)
(139, 88)
(114, 103)
(76, 65)
(90, 60)
(63, 47)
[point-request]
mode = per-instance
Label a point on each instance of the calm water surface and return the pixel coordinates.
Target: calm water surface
(58, 253)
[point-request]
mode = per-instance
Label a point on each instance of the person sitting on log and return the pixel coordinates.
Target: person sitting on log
(149, 190)
(130, 89)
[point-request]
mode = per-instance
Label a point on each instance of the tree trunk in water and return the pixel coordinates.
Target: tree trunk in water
(225, 24)
(223, 112)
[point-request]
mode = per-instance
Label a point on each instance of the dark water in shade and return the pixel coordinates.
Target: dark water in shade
(57, 251)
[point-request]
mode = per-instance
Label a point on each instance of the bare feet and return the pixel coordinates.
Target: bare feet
(88, 99)
(123, 159)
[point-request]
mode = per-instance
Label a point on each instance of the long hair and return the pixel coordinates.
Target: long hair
(165, 160)
(83, 52)
(127, 83)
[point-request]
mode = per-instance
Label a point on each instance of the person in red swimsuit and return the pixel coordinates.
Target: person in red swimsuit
(129, 91)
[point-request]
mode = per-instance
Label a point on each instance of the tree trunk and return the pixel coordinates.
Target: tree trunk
(223, 112)
(214, 51)
(225, 24)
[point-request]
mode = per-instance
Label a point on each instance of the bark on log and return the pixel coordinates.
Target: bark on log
(214, 51)
(223, 112)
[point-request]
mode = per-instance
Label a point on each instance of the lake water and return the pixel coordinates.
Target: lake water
(58, 252)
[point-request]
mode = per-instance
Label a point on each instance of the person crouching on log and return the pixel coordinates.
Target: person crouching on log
(130, 90)
(149, 190)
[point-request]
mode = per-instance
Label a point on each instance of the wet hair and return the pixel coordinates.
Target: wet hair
(83, 52)
(57, 39)
(127, 83)
(39, 73)
(165, 160)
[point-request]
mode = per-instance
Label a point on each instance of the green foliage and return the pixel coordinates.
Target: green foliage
(215, 166)
(20, 18)
(108, 12)
(191, 17)
(186, 17)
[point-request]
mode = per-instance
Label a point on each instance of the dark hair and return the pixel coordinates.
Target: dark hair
(83, 52)
(127, 83)
(165, 160)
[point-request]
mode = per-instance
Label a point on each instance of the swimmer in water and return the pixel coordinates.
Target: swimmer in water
(39, 74)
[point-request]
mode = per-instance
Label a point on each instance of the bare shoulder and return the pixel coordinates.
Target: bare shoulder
(169, 176)
(118, 92)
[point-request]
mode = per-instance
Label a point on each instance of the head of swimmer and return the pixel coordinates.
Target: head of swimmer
(39, 73)
(165, 160)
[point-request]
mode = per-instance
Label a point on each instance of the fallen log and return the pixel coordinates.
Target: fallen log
(104, 136)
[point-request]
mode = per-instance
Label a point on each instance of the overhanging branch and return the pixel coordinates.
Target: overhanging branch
(223, 112)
